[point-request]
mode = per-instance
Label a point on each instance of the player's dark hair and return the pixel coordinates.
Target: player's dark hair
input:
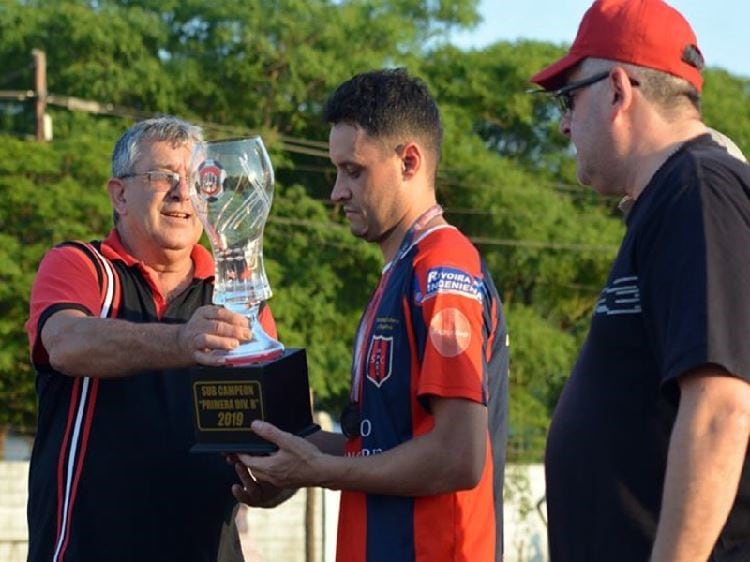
(388, 104)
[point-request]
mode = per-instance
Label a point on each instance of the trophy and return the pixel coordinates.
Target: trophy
(231, 188)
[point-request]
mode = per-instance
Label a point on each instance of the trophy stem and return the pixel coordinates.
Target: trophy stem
(261, 347)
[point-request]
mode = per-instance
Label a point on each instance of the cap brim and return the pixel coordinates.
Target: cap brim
(553, 77)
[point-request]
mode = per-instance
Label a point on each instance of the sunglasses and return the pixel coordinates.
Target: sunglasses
(564, 96)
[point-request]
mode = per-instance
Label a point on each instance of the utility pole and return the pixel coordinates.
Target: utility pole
(40, 89)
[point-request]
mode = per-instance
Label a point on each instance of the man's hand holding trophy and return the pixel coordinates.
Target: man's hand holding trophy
(231, 188)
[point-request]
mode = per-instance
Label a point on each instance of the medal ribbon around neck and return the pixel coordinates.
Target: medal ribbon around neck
(364, 331)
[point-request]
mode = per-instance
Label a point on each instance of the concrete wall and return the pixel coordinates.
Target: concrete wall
(282, 534)
(267, 535)
(525, 514)
(13, 494)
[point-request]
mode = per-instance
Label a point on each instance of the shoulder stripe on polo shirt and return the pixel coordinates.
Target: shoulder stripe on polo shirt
(80, 417)
(89, 250)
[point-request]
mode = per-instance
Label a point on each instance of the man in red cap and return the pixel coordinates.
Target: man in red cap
(647, 452)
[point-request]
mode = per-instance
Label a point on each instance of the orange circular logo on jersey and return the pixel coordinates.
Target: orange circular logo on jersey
(450, 332)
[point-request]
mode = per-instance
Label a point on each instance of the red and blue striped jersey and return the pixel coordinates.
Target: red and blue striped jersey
(438, 330)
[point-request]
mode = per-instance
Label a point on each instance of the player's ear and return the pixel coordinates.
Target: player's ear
(412, 159)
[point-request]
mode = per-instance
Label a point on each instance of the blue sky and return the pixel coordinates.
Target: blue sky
(721, 26)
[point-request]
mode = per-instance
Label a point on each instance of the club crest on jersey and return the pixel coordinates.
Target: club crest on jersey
(211, 178)
(380, 360)
(449, 280)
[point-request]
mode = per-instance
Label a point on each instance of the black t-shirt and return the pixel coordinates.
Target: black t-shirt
(678, 296)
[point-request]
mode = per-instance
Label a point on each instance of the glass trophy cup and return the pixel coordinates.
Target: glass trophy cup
(231, 188)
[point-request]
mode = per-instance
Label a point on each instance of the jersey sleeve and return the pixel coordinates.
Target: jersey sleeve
(694, 271)
(66, 279)
(447, 298)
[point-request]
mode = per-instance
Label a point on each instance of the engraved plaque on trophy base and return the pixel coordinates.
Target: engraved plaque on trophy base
(226, 400)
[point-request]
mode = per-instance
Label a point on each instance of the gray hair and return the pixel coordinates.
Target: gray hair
(166, 128)
(671, 94)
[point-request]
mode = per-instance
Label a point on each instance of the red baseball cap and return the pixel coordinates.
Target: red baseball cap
(645, 33)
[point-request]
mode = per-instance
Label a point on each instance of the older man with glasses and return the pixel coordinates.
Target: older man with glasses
(115, 325)
(647, 452)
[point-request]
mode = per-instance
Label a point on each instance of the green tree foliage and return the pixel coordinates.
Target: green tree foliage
(489, 91)
(509, 184)
(507, 177)
(241, 66)
(725, 106)
(321, 275)
(48, 193)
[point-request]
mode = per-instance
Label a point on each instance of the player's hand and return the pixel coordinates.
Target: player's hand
(211, 330)
(297, 463)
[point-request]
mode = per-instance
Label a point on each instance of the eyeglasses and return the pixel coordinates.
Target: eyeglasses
(565, 98)
(160, 181)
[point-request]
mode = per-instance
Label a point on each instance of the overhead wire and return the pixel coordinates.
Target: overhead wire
(480, 240)
(317, 148)
(310, 147)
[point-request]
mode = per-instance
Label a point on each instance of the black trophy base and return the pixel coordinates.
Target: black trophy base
(226, 400)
